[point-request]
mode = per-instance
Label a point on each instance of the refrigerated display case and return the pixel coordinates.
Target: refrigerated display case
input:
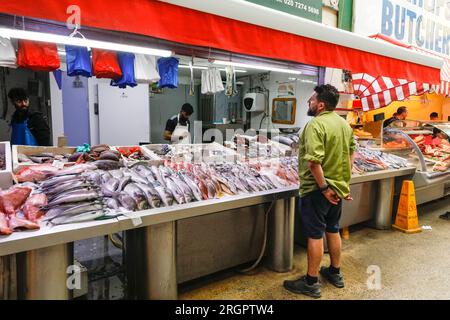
(426, 145)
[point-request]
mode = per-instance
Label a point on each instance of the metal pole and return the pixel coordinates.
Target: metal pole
(383, 210)
(160, 262)
(43, 273)
(281, 236)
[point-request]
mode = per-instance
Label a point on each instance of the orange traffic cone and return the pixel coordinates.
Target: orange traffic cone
(407, 220)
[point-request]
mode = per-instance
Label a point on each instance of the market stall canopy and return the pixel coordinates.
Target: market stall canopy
(240, 27)
(377, 91)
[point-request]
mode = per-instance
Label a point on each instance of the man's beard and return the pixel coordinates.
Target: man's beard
(311, 112)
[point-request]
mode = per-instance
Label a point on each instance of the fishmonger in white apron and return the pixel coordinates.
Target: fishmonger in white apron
(179, 131)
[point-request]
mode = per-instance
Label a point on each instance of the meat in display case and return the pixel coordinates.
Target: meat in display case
(426, 145)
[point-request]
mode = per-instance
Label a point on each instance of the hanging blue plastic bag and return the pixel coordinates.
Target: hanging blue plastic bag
(21, 134)
(168, 71)
(78, 61)
(126, 62)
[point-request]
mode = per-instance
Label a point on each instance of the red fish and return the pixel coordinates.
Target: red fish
(202, 187)
(35, 173)
(32, 207)
(11, 200)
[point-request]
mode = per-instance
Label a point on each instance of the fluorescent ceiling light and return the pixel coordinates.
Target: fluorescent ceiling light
(184, 66)
(257, 67)
(53, 38)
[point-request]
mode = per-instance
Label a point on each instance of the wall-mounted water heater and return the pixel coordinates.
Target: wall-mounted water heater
(254, 102)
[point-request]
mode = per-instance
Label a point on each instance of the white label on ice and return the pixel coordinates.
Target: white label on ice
(58, 164)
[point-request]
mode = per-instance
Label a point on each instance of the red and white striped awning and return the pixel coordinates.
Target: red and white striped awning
(377, 91)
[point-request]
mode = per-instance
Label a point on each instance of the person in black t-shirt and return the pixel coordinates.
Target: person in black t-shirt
(177, 127)
(401, 114)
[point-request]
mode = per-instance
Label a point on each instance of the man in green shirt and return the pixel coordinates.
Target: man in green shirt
(325, 162)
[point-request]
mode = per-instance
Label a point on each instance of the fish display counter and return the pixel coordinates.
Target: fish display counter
(159, 207)
(426, 145)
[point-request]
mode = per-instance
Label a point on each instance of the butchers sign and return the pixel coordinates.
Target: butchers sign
(422, 23)
(309, 9)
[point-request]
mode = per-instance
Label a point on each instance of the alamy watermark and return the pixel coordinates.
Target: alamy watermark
(73, 281)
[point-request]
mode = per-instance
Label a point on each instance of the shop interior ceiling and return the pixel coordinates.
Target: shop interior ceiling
(201, 54)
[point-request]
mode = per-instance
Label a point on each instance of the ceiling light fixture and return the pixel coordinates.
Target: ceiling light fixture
(184, 66)
(257, 67)
(66, 40)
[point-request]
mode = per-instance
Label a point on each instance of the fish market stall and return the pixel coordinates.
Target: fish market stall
(232, 236)
(426, 145)
(51, 207)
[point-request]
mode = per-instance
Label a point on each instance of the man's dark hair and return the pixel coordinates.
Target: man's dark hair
(187, 108)
(17, 94)
(434, 115)
(327, 94)
(401, 110)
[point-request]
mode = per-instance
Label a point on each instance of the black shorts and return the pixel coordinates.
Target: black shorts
(318, 215)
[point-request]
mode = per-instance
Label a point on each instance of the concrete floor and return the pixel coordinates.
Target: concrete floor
(411, 267)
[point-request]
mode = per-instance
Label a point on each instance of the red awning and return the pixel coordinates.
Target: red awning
(179, 24)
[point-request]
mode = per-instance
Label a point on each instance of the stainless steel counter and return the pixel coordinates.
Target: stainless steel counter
(383, 174)
(50, 248)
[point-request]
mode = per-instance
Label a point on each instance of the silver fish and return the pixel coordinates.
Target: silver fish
(112, 203)
(135, 177)
(93, 176)
(153, 198)
(106, 176)
(64, 187)
(57, 180)
(54, 212)
(112, 184)
(164, 194)
(118, 174)
(108, 193)
(79, 195)
(123, 182)
(158, 175)
(127, 202)
(184, 187)
(76, 169)
(175, 190)
(74, 210)
(192, 185)
(87, 216)
(239, 185)
(137, 194)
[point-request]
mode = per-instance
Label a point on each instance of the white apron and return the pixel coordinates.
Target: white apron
(180, 130)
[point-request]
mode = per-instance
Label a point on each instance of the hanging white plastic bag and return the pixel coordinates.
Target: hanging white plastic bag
(211, 81)
(217, 80)
(206, 86)
(8, 56)
(145, 69)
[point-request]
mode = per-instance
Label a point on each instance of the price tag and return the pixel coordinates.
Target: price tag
(58, 164)
(136, 221)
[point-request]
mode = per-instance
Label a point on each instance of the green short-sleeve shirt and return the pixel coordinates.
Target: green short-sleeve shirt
(327, 140)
